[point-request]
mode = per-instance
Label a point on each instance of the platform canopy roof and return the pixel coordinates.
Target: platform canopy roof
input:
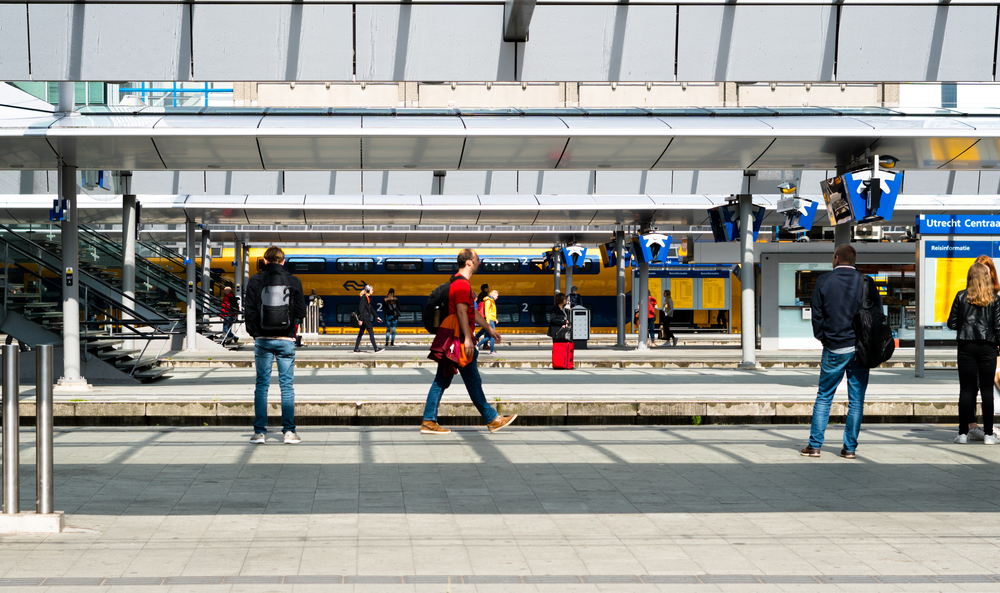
(252, 139)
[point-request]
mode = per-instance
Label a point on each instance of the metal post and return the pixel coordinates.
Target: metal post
(748, 325)
(557, 277)
(11, 455)
(128, 243)
(206, 271)
(246, 265)
(190, 313)
(620, 286)
(67, 97)
(43, 429)
(70, 282)
(569, 280)
(918, 338)
(643, 305)
(238, 269)
(841, 234)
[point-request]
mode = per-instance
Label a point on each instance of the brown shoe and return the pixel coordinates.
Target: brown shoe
(431, 427)
(809, 452)
(847, 454)
(501, 422)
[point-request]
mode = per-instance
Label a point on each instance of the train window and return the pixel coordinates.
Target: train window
(508, 313)
(344, 311)
(492, 266)
(539, 264)
(355, 264)
(540, 314)
(442, 264)
(260, 263)
(397, 264)
(300, 265)
(411, 313)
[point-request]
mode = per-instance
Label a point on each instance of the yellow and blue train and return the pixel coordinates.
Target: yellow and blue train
(524, 281)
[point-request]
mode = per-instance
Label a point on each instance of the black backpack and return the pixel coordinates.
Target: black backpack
(874, 343)
(276, 303)
(436, 308)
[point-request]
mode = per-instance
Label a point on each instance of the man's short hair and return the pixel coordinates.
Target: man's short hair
(464, 256)
(274, 255)
(847, 254)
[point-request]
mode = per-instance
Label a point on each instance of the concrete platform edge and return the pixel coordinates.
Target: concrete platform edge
(31, 522)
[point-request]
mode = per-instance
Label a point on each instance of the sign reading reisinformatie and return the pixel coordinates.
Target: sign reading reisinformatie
(955, 224)
(961, 249)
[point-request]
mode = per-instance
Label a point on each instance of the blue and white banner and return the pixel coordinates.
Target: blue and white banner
(958, 224)
(961, 249)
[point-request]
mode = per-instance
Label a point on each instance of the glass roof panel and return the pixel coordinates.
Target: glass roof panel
(490, 111)
(557, 111)
(407, 111)
(865, 111)
(804, 111)
(630, 111)
(741, 111)
(680, 111)
(298, 111)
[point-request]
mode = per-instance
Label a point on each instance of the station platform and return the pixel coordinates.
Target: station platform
(541, 510)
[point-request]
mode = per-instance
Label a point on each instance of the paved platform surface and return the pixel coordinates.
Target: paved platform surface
(550, 510)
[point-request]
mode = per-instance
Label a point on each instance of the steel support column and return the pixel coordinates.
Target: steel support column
(11, 429)
(620, 286)
(557, 276)
(516, 18)
(569, 279)
(748, 324)
(189, 268)
(919, 336)
(643, 305)
(129, 236)
(72, 378)
(238, 269)
(206, 271)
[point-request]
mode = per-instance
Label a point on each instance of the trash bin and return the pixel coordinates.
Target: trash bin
(580, 320)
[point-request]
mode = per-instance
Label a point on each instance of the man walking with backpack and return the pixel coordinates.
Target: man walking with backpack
(462, 304)
(274, 304)
(836, 299)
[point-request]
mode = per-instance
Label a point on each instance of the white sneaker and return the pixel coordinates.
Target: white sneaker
(675, 342)
(962, 439)
(291, 438)
(257, 438)
(976, 434)
(990, 440)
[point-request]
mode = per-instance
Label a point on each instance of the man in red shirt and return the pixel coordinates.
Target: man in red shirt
(462, 304)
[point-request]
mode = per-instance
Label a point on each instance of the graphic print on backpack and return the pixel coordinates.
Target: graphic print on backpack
(275, 303)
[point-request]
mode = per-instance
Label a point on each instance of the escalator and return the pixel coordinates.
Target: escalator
(120, 344)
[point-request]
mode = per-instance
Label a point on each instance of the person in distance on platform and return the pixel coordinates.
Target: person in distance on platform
(666, 316)
(490, 314)
(484, 291)
(274, 304)
(836, 299)
(462, 304)
(651, 321)
(574, 298)
(367, 317)
(975, 315)
(230, 307)
(391, 306)
(975, 432)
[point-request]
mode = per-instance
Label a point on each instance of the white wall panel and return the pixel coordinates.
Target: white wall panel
(556, 182)
(916, 43)
(24, 182)
(480, 183)
(707, 182)
(13, 42)
(398, 182)
(243, 182)
(272, 42)
(593, 43)
(168, 182)
(323, 182)
(772, 43)
(633, 182)
(447, 43)
(88, 41)
(940, 182)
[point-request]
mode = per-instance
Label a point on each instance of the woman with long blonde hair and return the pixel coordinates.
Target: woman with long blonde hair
(975, 316)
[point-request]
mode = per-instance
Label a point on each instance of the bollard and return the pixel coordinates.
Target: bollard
(11, 455)
(43, 429)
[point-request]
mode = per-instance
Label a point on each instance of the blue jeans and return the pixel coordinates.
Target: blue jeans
(266, 351)
(831, 372)
(390, 328)
(487, 338)
(473, 384)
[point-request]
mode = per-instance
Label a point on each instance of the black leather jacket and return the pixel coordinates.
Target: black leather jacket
(974, 322)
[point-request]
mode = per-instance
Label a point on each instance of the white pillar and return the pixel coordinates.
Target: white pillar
(841, 234)
(246, 266)
(620, 285)
(748, 325)
(189, 267)
(129, 232)
(238, 269)
(206, 271)
(643, 305)
(569, 279)
(918, 342)
(72, 378)
(557, 277)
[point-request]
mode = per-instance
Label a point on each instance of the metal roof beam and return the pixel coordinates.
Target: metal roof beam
(516, 18)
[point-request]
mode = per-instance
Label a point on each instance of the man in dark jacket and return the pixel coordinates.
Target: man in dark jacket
(835, 301)
(367, 317)
(272, 343)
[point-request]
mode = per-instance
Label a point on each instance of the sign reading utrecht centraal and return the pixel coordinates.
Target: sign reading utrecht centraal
(958, 224)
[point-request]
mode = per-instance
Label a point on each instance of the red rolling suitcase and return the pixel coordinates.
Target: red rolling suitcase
(562, 355)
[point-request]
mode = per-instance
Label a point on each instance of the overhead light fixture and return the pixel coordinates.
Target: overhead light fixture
(887, 162)
(798, 165)
(409, 166)
(989, 166)
(787, 188)
(604, 166)
(17, 166)
(213, 166)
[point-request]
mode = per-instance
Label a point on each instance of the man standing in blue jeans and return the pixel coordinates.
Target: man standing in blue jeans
(274, 305)
(462, 304)
(835, 301)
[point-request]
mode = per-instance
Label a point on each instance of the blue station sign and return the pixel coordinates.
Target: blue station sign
(961, 249)
(958, 224)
